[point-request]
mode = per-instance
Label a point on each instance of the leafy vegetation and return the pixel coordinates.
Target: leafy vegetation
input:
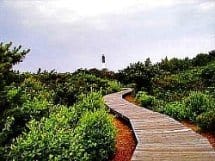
(181, 88)
(206, 120)
(53, 116)
(62, 116)
(176, 109)
(68, 134)
(144, 99)
(96, 134)
(198, 103)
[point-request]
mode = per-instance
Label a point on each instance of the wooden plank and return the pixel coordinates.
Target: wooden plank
(158, 136)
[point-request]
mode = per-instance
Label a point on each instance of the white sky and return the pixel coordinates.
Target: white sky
(70, 34)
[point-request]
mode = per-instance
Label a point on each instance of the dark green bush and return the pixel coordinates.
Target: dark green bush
(68, 86)
(68, 134)
(32, 128)
(197, 103)
(114, 86)
(158, 105)
(29, 101)
(90, 102)
(208, 75)
(176, 110)
(206, 120)
(9, 56)
(144, 99)
(47, 139)
(96, 134)
(201, 59)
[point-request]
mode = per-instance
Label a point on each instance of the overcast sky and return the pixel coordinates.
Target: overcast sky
(70, 34)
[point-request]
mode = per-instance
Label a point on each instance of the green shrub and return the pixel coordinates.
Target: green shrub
(90, 102)
(114, 86)
(197, 103)
(144, 99)
(176, 110)
(96, 134)
(206, 120)
(47, 139)
(14, 96)
(158, 105)
(83, 132)
(29, 101)
(208, 75)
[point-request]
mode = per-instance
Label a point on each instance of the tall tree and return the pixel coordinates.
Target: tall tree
(148, 62)
(8, 58)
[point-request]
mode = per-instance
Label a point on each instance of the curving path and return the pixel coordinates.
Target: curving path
(158, 136)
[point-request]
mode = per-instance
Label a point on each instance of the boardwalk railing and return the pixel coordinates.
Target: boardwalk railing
(158, 136)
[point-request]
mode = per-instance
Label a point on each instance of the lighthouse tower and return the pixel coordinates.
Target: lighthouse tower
(103, 62)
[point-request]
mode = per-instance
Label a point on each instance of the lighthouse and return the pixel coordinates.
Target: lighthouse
(103, 62)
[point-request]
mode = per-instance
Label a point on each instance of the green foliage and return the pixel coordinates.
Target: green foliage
(169, 83)
(173, 87)
(201, 59)
(10, 57)
(139, 73)
(28, 101)
(208, 75)
(104, 73)
(206, 120)
(67, 87)
(57, 137)
(174, 65)
(176, 110)
(97, 135)
(114, 86)
(32, 128)
(198, 103)
(47, 139)
(144, 99)
(158, 105)
(91, 102)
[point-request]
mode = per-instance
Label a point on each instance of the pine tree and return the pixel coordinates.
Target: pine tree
(8, 58)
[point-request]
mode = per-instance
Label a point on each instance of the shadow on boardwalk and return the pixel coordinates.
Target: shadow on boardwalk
(160, 137)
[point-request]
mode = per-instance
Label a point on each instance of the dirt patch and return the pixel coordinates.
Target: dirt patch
(131, 99)
(125, 142)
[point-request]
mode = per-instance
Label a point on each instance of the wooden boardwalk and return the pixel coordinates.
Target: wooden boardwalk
(158, 136)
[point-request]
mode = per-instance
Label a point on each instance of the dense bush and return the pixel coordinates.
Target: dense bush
(68, 86)
(139, 73)
(28, 101)
(90, 102)
(201, 59)
(197, 103)
(33, 126)
(206, 120)
(8, 57)
(176, 110)
(114, 86)
(31, 100)
(158, 105)
(97, 136)
(47, 139)
(208, 75)
(144, 99)
(82, 132)
(169, 83)
(174, 65)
